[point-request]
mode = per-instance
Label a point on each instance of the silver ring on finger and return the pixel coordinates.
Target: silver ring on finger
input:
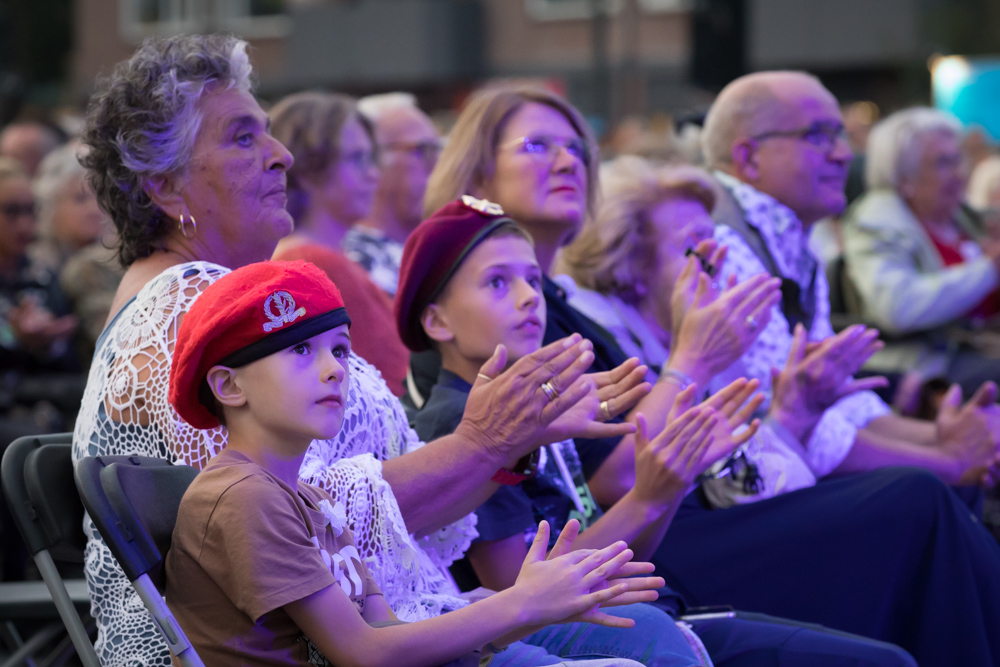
(550, 390)
(605, 411)
(752, 322)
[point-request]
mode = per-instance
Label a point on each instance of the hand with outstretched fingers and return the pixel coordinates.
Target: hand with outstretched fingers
(667, 465)
(617, 391)
(819, 374)
(970, 434)
(570, 587)
(737, 403)
(640, 588)
(510, 414)
(713, 327)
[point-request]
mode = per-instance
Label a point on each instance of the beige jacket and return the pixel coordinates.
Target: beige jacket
(898, 273)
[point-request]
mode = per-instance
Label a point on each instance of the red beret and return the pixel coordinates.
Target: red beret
(432, 254)
(244, 316)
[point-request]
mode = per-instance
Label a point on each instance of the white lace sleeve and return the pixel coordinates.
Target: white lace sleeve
(125, 412)
(411, 577)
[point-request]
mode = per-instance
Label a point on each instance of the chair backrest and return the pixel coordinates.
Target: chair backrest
(133, 501)
(37, 473)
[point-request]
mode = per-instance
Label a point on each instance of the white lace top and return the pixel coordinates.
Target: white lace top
(125, 412)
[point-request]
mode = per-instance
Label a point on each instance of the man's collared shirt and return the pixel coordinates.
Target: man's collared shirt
(784, 235)
(377, 254)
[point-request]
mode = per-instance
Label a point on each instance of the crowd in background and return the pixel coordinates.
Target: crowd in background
(915, 253)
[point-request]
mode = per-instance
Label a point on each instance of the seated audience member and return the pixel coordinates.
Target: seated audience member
(531, 153)
(69, 218)
(75, 242)
(469, 283)
(35, 323)
(408, 147)
(330, 187)
(247, 512)
(637, 263)
(28, 142)
(915, 259)
(177, 235)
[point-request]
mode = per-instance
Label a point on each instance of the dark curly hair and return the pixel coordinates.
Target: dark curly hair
(142, 122)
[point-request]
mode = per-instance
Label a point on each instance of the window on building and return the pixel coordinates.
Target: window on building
(247, 18)
(566, 10)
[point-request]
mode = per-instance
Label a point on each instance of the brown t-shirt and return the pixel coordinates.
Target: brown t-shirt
(245, 545)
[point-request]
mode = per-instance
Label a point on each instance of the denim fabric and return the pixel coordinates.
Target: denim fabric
(655, 641)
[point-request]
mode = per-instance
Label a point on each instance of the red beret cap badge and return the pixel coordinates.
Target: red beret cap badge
(280, 309)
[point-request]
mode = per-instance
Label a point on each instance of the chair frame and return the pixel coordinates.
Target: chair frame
(43, 526)
(107, 502)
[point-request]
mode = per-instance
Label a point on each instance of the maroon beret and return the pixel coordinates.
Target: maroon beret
(244, 316)
(432, 254)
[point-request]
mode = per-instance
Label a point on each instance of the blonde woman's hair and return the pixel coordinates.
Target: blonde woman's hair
(309, 125)
(470, 155)
(615, 252)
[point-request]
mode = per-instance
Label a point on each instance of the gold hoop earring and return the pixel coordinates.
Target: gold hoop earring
(194, 227)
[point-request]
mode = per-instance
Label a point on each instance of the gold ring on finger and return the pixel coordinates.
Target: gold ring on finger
(550, 390)
(605, 411)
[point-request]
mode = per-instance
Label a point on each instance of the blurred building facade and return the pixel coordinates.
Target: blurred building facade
(611, 57)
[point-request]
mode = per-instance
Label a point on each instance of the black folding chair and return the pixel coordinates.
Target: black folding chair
(37, 473)
(133, 501)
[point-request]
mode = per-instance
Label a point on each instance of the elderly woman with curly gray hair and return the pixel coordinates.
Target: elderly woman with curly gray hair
(182, 159)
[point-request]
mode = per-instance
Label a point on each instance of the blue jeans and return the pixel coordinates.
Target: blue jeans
(753, 639)
(655, 641)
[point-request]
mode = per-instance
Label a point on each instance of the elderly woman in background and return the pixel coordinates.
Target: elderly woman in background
(912, 253)
(75, 239)
(69, 218)
(182, 160)
(332, 186)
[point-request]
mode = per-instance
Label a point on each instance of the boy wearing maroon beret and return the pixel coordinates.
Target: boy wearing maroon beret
(262, 569)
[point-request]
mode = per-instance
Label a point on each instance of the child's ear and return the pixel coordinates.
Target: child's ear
(222, 381)
(435, 323)
(745, 158)
(165, 192)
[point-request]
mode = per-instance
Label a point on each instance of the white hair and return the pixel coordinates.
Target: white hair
(985, 180)
(896, 144)
(58, 168)
(376, 106)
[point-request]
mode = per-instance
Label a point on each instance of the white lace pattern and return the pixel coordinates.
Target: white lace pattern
(125, 412)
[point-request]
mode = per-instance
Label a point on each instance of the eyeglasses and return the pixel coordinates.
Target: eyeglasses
(16, 209)
(823, 135)
(547, 146)
(360, 159)
(428, 151)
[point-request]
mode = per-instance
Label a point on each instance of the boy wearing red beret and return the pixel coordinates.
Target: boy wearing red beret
(262, 569)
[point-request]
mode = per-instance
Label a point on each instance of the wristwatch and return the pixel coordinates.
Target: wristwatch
(526, 467)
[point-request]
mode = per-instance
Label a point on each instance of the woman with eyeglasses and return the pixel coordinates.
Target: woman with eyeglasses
(330, 187)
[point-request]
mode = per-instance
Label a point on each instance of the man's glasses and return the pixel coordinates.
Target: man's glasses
(823, 136)
(547, 146)
(428, 151)
(16, 209)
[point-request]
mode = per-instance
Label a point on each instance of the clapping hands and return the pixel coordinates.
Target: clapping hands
(569, 586)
